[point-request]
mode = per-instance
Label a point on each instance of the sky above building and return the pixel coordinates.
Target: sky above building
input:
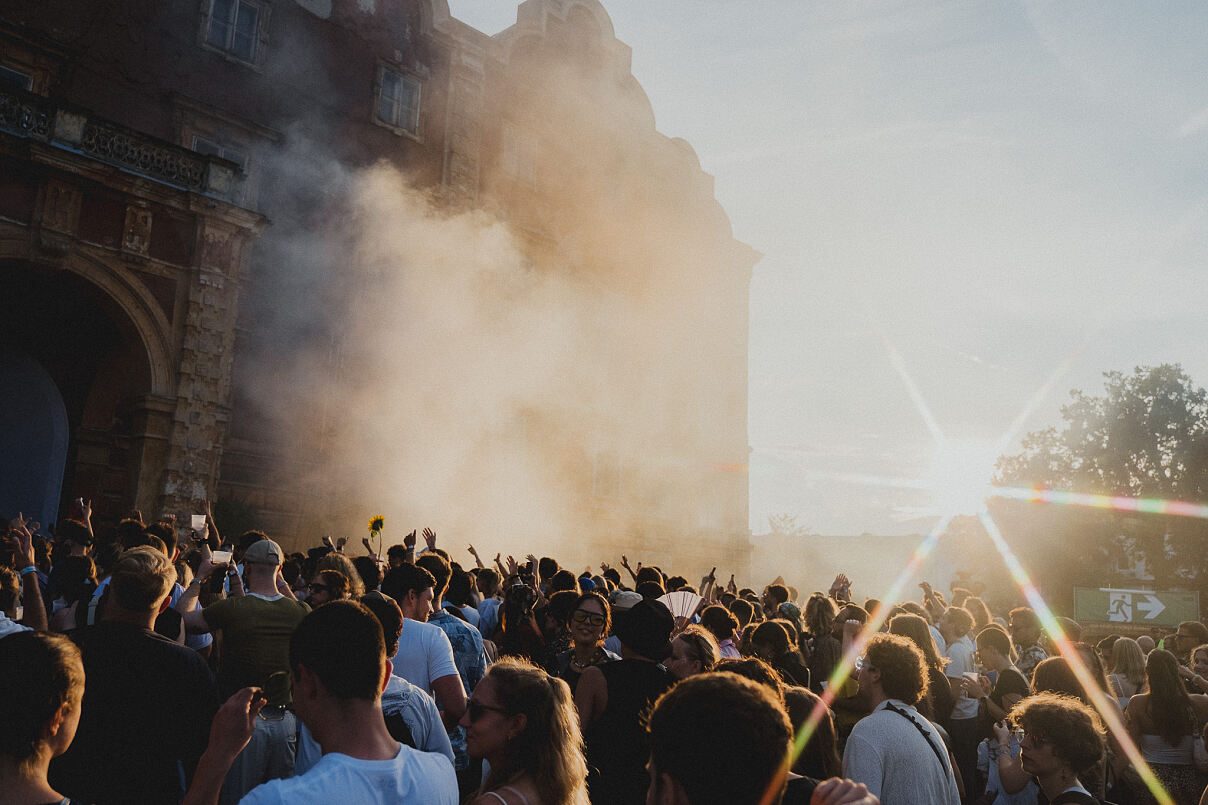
(966, 210)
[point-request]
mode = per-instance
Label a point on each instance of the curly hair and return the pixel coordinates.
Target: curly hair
(42, 672)
(1073, 730)
(902, 666)
(550, 747)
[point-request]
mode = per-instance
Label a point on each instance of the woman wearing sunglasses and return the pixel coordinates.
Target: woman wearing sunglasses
(523, 722)
(588, 625)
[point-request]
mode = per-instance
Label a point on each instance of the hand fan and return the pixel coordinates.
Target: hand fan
(682, 603)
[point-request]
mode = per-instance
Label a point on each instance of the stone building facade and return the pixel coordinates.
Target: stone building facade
(142, 175)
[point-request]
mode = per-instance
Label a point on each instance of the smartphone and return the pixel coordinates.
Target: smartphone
(198, 523)
(220, 557)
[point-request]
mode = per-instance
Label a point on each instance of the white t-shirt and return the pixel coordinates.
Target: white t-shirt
(888, 754)
(941, 645)
(419, 714)
(488, 616)
(411, 776)
(960, 654)
(9, 626)
(424, 654)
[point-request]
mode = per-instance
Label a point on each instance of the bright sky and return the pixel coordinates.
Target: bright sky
(956, 202)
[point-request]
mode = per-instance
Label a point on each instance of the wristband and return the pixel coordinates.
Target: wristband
(30, 569)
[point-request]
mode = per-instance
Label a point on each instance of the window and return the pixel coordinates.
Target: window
(15, 79)
(210, 148)
(234, 27)
(518, 155)
(398, 100)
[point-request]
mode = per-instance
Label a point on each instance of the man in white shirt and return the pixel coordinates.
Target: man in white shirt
(962, 725)
(894, 751)
(425, 655)
(339, 669)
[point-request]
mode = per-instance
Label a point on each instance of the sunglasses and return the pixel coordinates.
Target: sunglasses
(1037, 738)
(583, 616)
(862, 664)
(477, 710)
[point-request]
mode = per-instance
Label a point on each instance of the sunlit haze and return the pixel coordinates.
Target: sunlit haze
(989, 188)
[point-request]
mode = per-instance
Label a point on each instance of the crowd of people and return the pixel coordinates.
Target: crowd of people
(153, 663)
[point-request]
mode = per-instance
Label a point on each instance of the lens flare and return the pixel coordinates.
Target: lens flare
(1176, 508)
(848, 661)
(1105, 706)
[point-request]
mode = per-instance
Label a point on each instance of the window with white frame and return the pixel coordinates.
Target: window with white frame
(234, 26)
(398, 100)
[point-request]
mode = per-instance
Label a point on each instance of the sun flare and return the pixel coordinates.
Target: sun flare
(959, 476)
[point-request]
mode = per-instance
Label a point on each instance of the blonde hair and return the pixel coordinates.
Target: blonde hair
(550, 747)
(141, 578)
(702, 645)
(1128, 661)
(340, 562)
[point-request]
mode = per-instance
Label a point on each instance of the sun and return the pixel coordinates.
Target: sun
(959, 476)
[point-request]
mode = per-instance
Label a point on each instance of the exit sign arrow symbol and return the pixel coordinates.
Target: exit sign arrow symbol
(1151, 606)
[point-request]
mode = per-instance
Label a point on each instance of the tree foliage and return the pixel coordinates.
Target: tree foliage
(786, 525)
(1146, 437)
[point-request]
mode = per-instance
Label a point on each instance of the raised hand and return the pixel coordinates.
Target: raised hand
(603, 567)
(473, 552)
(513, 567)
(340, 543)
(625, 561)
(327, 541)
(22, 542)
(88, 511)
(409, 540)
(430, 538)
(731, 585)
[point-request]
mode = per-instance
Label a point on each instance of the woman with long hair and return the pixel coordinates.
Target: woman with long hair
(936, 706)
(518, 634)
(1128, 669)
(589, 623)
(1163, 722)
(41, 689)
(522, 721)
(820, 757)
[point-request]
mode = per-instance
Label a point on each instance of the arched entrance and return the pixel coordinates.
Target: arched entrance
(33, 438)
(83, 375)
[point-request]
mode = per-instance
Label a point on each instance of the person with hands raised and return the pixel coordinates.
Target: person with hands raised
(21, 542)
(256, 633)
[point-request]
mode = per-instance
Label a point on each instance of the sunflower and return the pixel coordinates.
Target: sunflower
(377, 524)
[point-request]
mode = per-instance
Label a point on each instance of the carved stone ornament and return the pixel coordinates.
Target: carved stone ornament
(61, 207)
(218, 250)
(136, 234)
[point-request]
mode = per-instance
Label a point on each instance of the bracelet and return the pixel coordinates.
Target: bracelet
(30, 569)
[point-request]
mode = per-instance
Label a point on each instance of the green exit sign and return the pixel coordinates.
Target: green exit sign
(1138, 607)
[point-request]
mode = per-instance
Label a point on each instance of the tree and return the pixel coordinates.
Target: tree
(785, 525)
(1146, 437)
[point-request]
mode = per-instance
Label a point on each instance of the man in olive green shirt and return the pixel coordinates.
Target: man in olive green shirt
(256, 628)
